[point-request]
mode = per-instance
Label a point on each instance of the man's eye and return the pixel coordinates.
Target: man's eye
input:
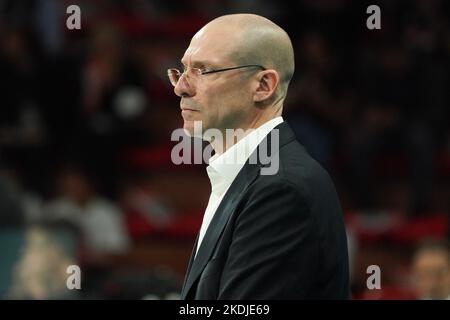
(204, 69)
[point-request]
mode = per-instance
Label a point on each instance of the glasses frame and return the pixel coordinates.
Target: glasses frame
(203, 72)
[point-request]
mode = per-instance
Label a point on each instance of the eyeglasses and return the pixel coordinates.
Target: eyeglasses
(175, 74)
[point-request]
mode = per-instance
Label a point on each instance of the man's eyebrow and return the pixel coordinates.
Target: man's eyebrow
(200, 63)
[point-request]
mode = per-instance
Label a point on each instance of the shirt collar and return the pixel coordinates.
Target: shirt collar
(225, 167)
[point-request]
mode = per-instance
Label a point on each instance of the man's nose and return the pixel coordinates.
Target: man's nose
(183, 88)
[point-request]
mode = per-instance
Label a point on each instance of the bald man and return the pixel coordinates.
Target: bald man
(277, 234)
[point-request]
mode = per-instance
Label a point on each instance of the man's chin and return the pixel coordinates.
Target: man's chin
(195, 129)
(191, 131)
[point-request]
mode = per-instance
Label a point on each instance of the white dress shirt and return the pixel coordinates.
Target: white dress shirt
(224, 168)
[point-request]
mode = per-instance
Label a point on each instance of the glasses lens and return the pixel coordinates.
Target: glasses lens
(174, 76)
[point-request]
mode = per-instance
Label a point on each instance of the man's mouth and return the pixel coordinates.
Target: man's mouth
(183, 108)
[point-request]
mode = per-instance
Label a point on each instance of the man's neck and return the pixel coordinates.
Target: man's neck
(231, 138)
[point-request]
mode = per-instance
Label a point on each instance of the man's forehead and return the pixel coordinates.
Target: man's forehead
(203, 55)
(208, 46)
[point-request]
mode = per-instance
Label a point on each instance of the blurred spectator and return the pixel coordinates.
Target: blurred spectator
(114, 100)
(431, 271)
(99, 220)
(40, 272)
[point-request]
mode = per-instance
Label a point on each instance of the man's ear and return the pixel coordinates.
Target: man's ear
(268, 81)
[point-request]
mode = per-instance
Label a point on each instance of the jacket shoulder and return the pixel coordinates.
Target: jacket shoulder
(298, 170)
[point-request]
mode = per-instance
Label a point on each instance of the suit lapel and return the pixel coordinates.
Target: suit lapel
(191, 260)
(220, 219)
(227, 206)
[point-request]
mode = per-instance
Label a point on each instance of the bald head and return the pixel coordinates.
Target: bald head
(252, 39)
(221, 85)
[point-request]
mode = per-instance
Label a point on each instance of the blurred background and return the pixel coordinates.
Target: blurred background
(86, 117)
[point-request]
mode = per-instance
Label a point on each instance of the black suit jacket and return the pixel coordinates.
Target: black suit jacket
(276, 236)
